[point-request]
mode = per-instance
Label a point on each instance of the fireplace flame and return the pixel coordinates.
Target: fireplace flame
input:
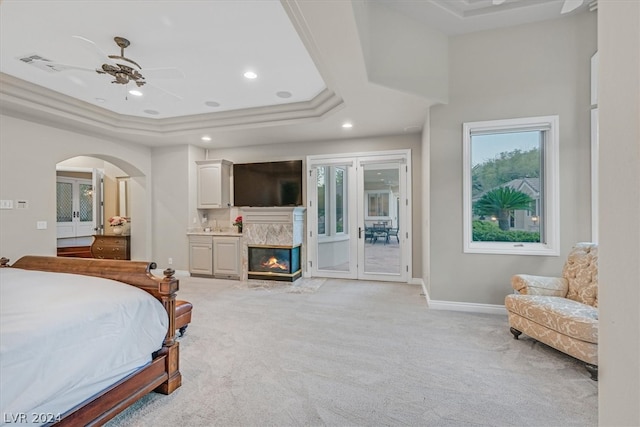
(273, 264)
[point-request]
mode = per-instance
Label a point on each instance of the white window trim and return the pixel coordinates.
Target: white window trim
(551, 186)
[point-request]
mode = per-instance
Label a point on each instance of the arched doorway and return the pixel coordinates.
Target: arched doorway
(91, 190)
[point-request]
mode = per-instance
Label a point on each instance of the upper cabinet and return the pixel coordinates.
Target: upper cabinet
(214, 184)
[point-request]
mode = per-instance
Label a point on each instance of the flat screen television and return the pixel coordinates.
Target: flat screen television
(267, 184)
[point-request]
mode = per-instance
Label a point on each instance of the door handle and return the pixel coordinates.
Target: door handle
(359, 232)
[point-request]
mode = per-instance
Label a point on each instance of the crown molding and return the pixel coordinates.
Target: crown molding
(25, 100)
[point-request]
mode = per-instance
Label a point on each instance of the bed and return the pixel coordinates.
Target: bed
(78, 344)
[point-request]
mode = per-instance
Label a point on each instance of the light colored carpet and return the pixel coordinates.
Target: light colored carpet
(349, 353)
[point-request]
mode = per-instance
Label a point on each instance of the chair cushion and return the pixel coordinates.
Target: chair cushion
(581, 273)
(565, 316)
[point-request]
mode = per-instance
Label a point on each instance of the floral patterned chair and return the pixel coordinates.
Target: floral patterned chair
(561, 312)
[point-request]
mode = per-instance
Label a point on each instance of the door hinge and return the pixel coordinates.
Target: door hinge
(310, 264)
(406, 202)
(406, 168)
(310, 233)
(406, 233)
(407, 268)
(310, 203)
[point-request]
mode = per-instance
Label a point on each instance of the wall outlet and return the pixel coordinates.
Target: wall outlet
(170, 261)
(41, 225)
(6, 204)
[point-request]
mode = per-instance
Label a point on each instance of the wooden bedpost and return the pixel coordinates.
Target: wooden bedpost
(171, 348)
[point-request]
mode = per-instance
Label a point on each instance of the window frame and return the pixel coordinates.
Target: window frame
(550, 234)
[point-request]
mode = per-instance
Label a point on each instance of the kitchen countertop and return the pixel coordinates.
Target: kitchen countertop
(231, 233)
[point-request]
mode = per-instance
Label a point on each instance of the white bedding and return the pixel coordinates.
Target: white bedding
(64, 337)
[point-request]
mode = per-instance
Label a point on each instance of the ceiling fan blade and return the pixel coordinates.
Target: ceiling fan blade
(102, 54)
(64, 67)
(571, 5)
(163, 73)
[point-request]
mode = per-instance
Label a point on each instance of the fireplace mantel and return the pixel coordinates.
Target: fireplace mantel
(282, 215)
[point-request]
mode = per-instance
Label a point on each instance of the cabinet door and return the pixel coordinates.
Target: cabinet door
(213, 184)
(200, 258)
(226, 256)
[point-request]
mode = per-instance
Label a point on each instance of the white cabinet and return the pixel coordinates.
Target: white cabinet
(226, 257)
(214, 183)
(217, 256)
(201, 255)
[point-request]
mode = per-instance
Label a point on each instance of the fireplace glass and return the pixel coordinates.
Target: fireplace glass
(274, 263)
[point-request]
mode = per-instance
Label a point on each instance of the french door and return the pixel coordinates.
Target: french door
(79, 205)
(358, 216)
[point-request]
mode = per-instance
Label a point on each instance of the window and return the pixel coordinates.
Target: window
(511, 203)
(332, 203)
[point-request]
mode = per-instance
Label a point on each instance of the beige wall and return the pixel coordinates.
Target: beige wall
(380, 143)
(29, 154)
(530, 70)
(619, 163)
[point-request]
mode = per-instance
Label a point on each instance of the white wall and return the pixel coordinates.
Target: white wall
(619, 263)
(530, 70)
(29, 153)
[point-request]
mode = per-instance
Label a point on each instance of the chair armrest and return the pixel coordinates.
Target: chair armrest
(527, 284)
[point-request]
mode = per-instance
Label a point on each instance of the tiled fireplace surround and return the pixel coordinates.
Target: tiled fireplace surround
(274, 226)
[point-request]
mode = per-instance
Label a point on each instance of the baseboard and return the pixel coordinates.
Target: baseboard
(469, 307)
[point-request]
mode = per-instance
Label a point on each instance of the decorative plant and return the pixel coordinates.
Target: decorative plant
(500, 202)
(117, 221)
(238, 221)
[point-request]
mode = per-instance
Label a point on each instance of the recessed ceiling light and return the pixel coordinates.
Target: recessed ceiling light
(152, 112)
(347, 125)
(212, 104)
(135, 92)
(250, 75)
(206, 138)
(283, 94)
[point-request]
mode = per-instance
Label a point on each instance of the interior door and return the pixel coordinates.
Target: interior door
(358, 210)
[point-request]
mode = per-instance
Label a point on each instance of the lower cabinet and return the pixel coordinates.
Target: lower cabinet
(226, 257)
(217, 256)
(201, 255)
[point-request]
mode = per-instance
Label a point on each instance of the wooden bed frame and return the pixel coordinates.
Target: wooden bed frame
(161, 375)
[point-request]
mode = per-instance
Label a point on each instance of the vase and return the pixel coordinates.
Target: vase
(239, 229)
(118, 229)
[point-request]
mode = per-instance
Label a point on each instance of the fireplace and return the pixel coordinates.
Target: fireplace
(274, 262)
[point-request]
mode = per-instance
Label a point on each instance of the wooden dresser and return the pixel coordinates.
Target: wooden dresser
(107, 246)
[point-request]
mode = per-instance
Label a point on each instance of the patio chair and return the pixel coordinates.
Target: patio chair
(393, 232)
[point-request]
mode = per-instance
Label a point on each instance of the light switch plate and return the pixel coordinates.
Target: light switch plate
(6, 204)
(41, 225)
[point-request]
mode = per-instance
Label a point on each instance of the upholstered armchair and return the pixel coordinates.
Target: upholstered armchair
(561, 312)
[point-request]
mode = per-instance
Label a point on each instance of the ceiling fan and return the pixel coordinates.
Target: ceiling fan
(567, 6)
(123, 74)
(123, 70)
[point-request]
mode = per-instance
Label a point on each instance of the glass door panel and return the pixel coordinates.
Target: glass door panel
(333, 242)
(381, 189)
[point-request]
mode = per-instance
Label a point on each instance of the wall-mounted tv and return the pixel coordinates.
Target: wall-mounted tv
(267, 184)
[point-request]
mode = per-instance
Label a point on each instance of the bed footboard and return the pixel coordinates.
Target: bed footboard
(162, 374)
